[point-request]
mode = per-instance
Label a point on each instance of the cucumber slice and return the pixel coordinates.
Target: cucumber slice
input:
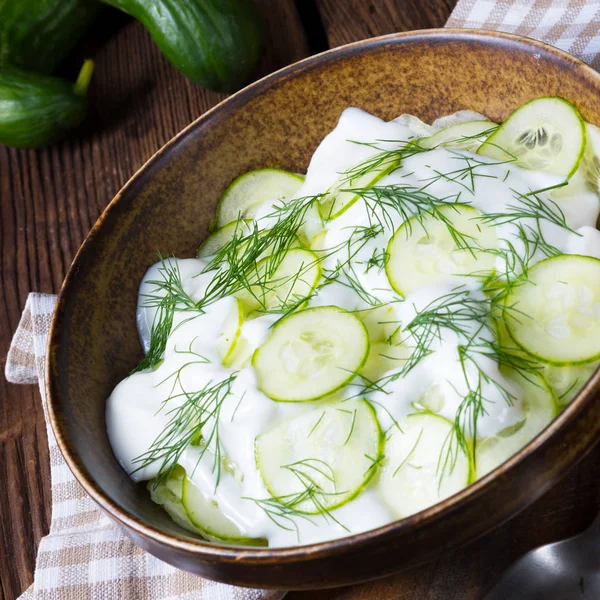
(248, 191)
(464, 136)
(312, 227)
(545, 134)
(230, 334)
(215, 241)
(460, 116)
(418, 128)
(565, 382)
(168, 495)
(413, 477)
(380, 322)
(310, 354)
(591, 158)
(423, 251)
(206, 516)
(433, 400)
(384, 357)
(293, 280)
(323, 458)
(539, 407)
(240, 229)
(337, 201)
(555, 314)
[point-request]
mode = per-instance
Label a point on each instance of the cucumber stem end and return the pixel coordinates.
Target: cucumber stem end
(84, 78)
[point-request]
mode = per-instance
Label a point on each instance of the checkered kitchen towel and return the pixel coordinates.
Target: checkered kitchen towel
(571, 25)
(85, 556)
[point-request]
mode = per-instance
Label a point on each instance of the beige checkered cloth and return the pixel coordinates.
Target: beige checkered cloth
(570, 25)
(85, 556)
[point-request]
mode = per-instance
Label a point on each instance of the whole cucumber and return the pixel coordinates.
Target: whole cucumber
(38, 34)
(36, 110)
(215, 43)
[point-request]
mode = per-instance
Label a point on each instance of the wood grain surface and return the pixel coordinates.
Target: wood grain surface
(50, 198)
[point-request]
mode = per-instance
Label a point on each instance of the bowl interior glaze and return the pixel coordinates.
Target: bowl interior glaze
(167, 206)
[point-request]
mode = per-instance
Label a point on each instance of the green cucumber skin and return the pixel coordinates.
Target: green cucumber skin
(36, 110)
(38, 34)
(214, 43)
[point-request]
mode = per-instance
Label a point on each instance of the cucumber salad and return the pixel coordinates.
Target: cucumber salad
(355, 345)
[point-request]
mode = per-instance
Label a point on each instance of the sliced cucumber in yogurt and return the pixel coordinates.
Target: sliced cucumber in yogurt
(323, 458)
(290, 285)
(555, 314)
(384, 357)
(590, 164)
(247, 192)
(380, 322)
(311, 354)
(339, 199)
(539, 408)
(230, 333)
(424, 249)
(565, 382)
(215, 241)
(463, 136)
(188, 507)
(415, 474)
(546, 134)
(207, 517)
(168, 495)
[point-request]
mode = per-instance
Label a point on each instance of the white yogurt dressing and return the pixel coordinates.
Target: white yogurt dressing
(138, 409)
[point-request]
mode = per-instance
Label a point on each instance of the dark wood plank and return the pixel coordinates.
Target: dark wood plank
(49, 200)
(348, 21)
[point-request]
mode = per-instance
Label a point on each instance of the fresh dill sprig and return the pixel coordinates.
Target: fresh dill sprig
(343, 271)
(516, 261)
(316, 424)
(346, 275)
(407, 203)
(168, 296)
(352, 425)
(467, 138)
(282, 511)
(378, 260)
(385, 160)
(187, 426)
(410, 453)
(529, 206)
(236, 264)
(465, 176)
(313, 476)
(459, 311)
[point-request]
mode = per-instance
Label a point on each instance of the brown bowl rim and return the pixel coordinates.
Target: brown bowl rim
(250, 555)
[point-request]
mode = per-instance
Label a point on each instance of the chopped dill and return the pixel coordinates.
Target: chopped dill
(197, 417)
(168, 297)
(388, 204)
(352, 425)
(316, 424)
(312, 474)
(407, 457)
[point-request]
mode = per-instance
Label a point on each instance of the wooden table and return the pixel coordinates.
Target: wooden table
(50, 198)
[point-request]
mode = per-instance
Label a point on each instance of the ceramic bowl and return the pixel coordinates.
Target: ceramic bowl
(167, 205)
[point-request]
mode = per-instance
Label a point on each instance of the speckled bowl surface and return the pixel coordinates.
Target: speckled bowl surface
(278, 122)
